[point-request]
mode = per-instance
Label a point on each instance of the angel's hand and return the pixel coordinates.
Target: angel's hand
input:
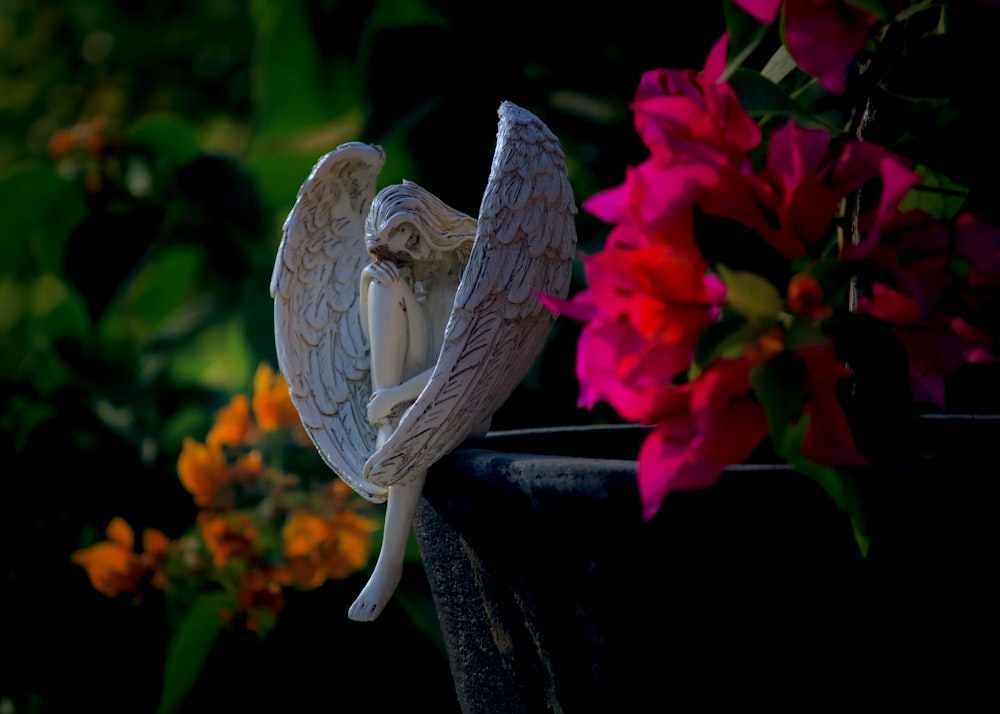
(383, 272)
(380, 404)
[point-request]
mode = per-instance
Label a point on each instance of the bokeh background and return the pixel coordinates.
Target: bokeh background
(149, 152)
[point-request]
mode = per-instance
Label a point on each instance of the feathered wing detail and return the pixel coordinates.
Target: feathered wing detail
(322, 350)
(525, 245)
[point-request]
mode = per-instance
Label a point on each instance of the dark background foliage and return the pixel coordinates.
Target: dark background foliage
(134, 273)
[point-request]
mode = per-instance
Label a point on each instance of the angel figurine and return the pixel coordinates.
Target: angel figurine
(402, 325)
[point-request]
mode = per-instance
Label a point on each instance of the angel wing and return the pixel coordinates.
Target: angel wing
(321, 349)
(525, 245)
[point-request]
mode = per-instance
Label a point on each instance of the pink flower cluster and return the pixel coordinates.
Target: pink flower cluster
(822, 36)
(652, 294)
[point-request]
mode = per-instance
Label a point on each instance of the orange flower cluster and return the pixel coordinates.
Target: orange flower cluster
(259, 529)
(87, 150)
(272, 404)
(319, 547)
(114, 567)
(204, 469)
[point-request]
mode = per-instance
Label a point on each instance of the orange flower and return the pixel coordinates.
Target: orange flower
(765, 346)
(113, 566)
(259, 590)
(304, 534)
(155, 543)
(227, 538)
(350, 544)
(61, 143)
(319, 548)
(272, 404)
(202, 469)
(805, 297)
(248, 467)
(232, 423)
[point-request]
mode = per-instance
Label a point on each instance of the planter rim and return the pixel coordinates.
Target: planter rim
(935, 435)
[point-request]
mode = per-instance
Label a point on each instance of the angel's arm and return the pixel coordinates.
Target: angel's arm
(383, 400)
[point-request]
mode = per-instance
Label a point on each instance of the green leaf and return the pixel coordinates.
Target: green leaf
(804, 333)
(219, 357)
(841, 485)
(745, 34)
(324, 92)
(778, 384)
(405, 13)
(779, 66)
(730, 333)
(937, 195)
(878, 8)
(166, 135)
(56, 309)
(750, 295)
(189, 648)
(159, 291)
(38, 210)
(761, 97)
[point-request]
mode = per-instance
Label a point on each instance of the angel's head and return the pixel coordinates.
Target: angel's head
(408, 223)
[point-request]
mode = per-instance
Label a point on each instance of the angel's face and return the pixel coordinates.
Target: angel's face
(404, 241)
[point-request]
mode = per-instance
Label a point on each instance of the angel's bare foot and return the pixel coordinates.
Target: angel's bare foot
(381, 585)
(400, 507)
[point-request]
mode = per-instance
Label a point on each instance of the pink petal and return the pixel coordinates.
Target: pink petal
(823, 36)
(715, 62)
(763, 10)
(580, 308)
(828, 439)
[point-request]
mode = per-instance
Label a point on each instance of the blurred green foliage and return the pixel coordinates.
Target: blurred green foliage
(149, 152)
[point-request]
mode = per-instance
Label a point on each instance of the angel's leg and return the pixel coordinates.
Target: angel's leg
(398, 339)
(401, 505)
(398, 331)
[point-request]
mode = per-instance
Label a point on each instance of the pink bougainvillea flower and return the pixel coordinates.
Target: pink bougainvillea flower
(828, 440)
(644, 310)
(822, 36)
(793, 202)
(616, 364)
(699, 138)
(716, 424)
(932, 348)
(979, 244)
(654, 289)
(798, 165)
(657, 201)
(917, 292)
(580, 307)
(854, 170)
(911, 253)
(686, 115)
(763, 10)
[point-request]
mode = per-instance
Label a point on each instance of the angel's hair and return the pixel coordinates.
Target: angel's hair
(441, 225)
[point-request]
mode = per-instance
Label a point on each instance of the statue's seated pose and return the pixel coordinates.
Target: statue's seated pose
(402, 324)
(420, 247)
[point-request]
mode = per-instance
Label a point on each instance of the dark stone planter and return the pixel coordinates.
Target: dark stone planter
(554, 595)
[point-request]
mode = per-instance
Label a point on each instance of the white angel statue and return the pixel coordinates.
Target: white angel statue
(402, 325)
